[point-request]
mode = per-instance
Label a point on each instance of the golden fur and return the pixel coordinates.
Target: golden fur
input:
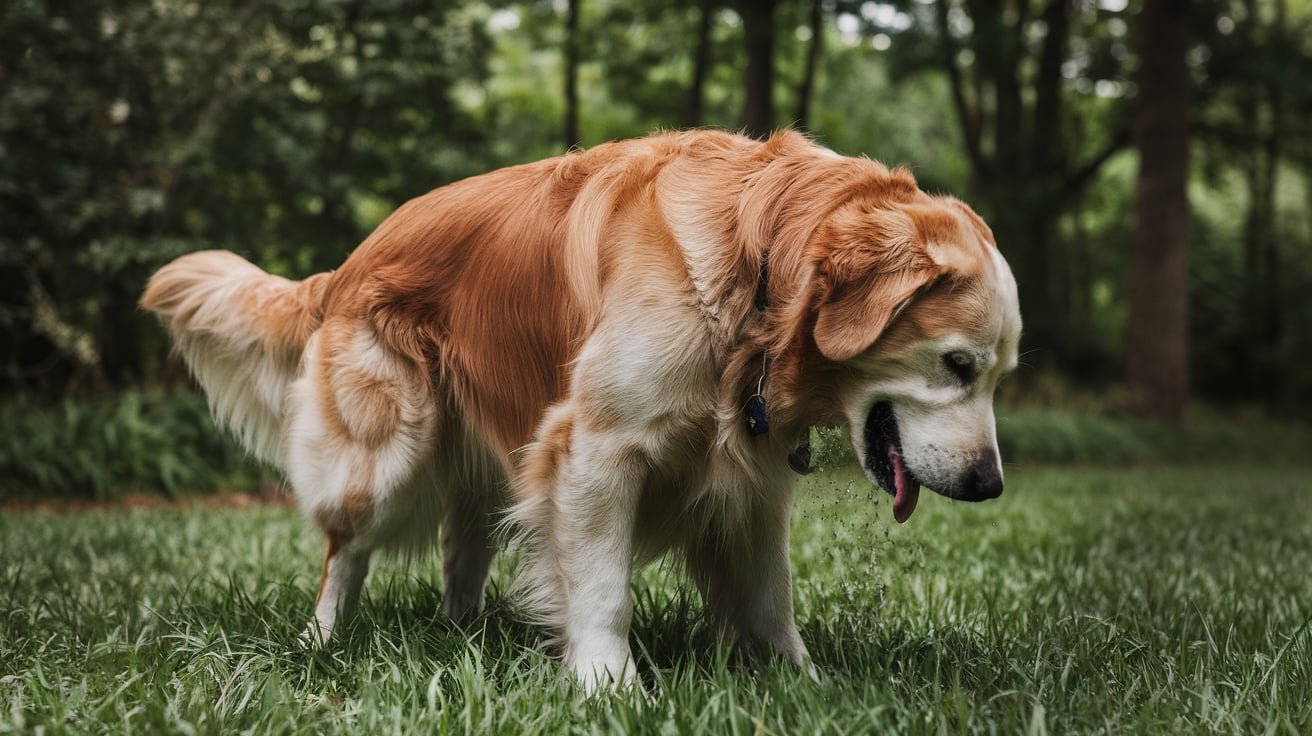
(583, 322)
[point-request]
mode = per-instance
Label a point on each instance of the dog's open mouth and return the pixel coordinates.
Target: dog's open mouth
(884, 461)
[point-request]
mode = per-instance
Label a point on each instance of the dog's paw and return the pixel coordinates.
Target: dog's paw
(462, 607)
(596, 678)
(315, 635)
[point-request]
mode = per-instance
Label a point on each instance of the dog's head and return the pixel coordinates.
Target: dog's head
(918, 311)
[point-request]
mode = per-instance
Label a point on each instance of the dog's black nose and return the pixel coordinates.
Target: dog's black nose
(985, 479)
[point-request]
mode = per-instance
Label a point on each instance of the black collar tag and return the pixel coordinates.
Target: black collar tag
(758, 422)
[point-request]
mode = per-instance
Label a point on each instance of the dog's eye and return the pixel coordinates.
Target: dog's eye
(961, 365)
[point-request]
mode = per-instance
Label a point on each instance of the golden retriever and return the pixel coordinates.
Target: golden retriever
(615, 350)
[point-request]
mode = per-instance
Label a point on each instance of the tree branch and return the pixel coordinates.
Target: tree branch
(1047, 106)
(807, 85)
(701, 63)
(968, 118)
(1075, 182)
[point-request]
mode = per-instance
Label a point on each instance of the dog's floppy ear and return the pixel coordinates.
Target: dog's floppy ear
(855, 314)
(873, 265)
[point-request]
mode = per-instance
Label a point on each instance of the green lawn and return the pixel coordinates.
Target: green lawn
(1086, 600)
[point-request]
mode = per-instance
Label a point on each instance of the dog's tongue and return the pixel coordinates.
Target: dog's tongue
(906, 492)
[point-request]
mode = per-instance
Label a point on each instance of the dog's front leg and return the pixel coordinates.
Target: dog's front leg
(592, 535)
(746, 580)
(766, 616)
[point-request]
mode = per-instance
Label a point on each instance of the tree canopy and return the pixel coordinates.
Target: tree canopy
(132, 131)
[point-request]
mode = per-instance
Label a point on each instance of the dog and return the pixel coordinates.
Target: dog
(615, 351)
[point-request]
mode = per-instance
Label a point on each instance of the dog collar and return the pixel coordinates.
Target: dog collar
(757, 417)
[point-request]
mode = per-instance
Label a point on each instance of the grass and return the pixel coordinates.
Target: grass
(1096, 600)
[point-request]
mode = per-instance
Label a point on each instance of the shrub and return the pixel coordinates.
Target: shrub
(105, 448)
(151, 443)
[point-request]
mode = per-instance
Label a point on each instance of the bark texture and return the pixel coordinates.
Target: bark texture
(758, 30)
(701, 65)
(806, 88)
(571, 123)
(1157, 342)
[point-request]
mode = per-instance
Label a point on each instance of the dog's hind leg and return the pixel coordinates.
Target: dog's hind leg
(344, 571)
(472, 484)
(361, 420)
(468, 548)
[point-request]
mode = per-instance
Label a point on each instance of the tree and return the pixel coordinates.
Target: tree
(571, 73)
(758, 79)
(1250, 109)
(1157, 365)
(1004, 67)
(1262, 113)
(135, 131)
(815, 23)
(701, 64)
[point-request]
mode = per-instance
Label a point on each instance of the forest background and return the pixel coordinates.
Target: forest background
(1146, 168)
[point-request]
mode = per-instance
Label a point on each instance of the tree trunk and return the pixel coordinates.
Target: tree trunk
(1080, 268)
(1157, 335)
(802, 118)
(1255, 218)
(701, 65)
(758, 31)
(1262, 112)
(1261, 263)
(571, 74)
(1024, 179)
(1048, 85)
(1269, 328)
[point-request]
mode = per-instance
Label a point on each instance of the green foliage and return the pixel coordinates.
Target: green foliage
(831, 448)
(1162, 600)
(135, 130)
(102, 449)
(168, 444)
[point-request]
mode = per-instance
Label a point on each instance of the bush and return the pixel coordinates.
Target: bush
(106, 448)
(147, 443)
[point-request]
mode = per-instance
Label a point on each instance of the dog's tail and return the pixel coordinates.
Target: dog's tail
(241, 331)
